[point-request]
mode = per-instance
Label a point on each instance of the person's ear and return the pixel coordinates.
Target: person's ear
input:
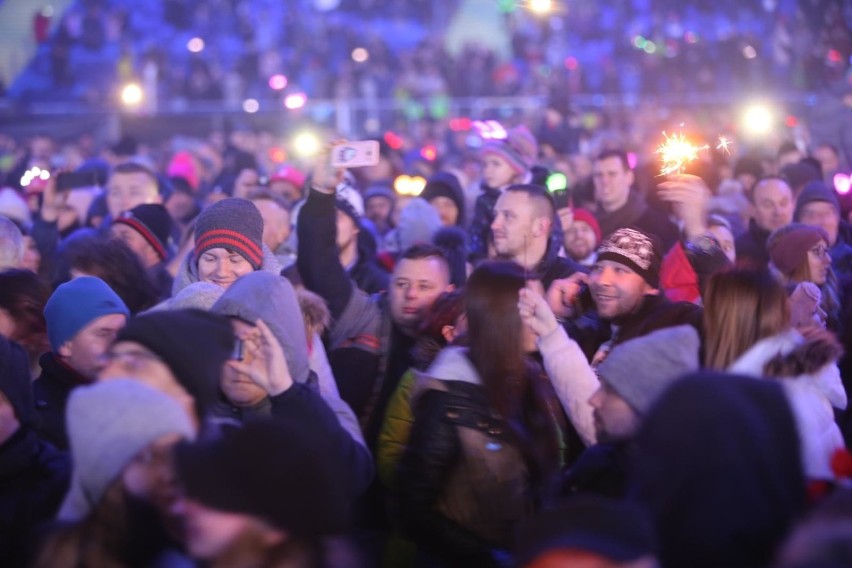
(65, 349)
(448, 332)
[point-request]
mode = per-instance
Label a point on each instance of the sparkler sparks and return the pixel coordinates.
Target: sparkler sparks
(724, 144)
(676, 152)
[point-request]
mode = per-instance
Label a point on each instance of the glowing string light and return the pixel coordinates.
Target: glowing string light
(676, 152)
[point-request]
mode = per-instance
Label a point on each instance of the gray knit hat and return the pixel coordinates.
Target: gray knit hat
(108, 424)
(639, 370)
(234, 224)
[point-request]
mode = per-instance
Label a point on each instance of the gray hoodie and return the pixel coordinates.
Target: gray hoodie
(188, 270)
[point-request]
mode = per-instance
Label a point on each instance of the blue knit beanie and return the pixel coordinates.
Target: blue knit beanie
(77, 303)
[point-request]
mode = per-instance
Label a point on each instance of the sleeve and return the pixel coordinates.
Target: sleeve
(396, 429)
(480, 227)
(356, 461)
(433, 449)
(573, 379)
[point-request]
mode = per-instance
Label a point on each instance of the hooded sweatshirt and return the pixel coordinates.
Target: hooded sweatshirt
(188, 270)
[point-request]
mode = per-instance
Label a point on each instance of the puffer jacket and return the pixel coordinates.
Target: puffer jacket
(463, 485)
(808, 372)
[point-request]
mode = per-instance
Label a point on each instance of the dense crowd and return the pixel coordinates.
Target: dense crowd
(632, 48)
(207, 359)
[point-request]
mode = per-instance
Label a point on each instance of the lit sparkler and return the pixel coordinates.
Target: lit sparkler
(676, 152)
(724, 144)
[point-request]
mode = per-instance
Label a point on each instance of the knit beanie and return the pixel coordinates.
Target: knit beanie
(153, 222)
(194, 345)
(346, 206)
(289, 174)
(587, 217)
(234, 224)
(815, 191)
(184, 165)
(380, 191)
(109, 423)
(639, 370)
(271, 298)
(418, 223)
(445, 184)
(280, 470)
(788, 246)
(800, 174)
(76, 304)
(519, 149)
(636, 250)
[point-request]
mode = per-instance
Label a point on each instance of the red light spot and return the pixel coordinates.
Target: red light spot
(791, 121)
(834, 56)
(393, 140)
(460, 124)
(571, 63)
(277, 155)
(429, 153)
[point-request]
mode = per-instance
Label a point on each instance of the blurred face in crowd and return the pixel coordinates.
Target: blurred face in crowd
(726, 240)
(126, 191)
(150, 475)
(238, 388)
(347, 231)
(276, 222)
(616, 289)
(210, 533)
(128, 359)
(497, 172)
(222, 267)
(579, 240)
(824, 215)
(612, 183)
(415, 285)
(32, 257)
(773, 204)
(828, 159)
(819, 262)
(378, 210)
(135, 242)
(85, 351)
(615, 420)
(285, 189)
(447, 210)
(514, 225)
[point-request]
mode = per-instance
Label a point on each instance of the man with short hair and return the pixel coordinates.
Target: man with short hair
(11, 244)
(581, 235)
(130, 184)
(772, 205)
(372, 336)
(357, 249)
(619, 206)
(146, 230)
(83, 317)
(522, 229)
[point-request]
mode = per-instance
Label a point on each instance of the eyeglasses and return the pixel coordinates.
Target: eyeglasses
(820, 251)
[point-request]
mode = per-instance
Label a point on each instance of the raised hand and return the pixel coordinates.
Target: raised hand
(689, 196)
(535, 312)
(325, 177)
(561, 294)
(264, 361)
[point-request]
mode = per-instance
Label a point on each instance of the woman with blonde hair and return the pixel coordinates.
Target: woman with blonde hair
(748, 331)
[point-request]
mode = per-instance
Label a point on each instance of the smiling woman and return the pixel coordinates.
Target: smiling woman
(228, 244)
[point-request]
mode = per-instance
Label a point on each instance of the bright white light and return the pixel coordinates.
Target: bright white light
(842, 183)
(757, 120)
(131, 94)
(360, 55)
(45, 175)
(251, 105)
(277, 82)
(541, 6)
(306, 144)
(195, 45)
(295, 100)
(749, 52)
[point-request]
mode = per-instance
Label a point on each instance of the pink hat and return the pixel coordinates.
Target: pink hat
(586, 216)
(289, 174)
(183, 165)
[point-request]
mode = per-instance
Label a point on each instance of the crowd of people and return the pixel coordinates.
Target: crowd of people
(212, 362)
(632, 48)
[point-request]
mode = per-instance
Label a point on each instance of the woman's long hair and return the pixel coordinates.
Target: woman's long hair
(741, 307)
(515, 387)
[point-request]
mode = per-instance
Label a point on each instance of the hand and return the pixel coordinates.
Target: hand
(561, 294)
(266, 365)
(324, 177)
(52, 201)
(689, 196)
(566, 218)
(535, 312)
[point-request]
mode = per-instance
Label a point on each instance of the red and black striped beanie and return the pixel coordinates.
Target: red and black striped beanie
(152, 221)
(234, 224)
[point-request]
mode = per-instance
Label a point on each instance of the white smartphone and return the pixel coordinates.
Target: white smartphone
(355, 154)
